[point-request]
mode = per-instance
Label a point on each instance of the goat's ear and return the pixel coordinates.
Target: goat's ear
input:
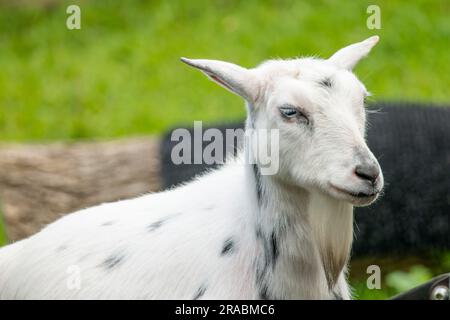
(349, 56)
(237, 79)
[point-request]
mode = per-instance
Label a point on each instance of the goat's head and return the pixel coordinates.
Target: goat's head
(318, 107)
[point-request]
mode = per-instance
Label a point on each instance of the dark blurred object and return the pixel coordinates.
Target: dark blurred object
(411, 142)
(435, 289)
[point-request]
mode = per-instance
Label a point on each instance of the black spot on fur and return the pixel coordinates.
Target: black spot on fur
(257, 183)
(326, 83)
(274, 246)
(270, 245)
(112, 262)
(263, 293)
(200, 292)
(267, 260)
(155, 225)
(337, 296)
(264, 262)
(107, 223)
(228, 247)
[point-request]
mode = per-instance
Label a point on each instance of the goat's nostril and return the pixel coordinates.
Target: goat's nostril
(369, 173)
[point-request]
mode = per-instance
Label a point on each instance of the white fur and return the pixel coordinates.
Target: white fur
(291, 243)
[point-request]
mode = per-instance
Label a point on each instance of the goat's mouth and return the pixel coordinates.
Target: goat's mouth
(357, 198)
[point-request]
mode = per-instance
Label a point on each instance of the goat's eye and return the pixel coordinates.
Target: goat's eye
(291, 113)
(288, 112)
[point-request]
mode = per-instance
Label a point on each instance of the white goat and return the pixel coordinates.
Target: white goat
(232, 233)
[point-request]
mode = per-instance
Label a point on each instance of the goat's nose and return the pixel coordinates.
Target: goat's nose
(368, 172)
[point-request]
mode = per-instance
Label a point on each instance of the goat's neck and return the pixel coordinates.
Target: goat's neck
(304, 235)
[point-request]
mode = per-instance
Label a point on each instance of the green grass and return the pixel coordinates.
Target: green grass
(398, 273)
(120, 75)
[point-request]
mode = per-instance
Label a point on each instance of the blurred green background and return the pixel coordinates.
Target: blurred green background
(120, 74)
